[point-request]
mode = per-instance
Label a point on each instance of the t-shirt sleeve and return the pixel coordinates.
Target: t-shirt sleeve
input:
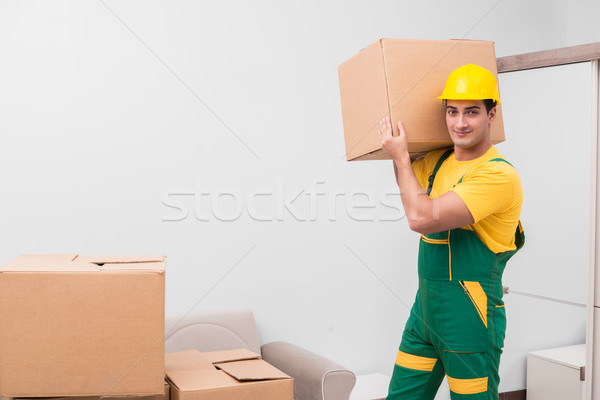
(423, 167)
(489, 189)
(419, 169)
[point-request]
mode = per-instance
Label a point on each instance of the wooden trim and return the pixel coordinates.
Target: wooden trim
(591, 335)
(516, 395)
(549, 58)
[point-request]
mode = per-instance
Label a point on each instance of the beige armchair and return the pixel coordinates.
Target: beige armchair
(315, 377)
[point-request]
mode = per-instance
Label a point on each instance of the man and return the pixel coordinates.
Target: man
(465, 202)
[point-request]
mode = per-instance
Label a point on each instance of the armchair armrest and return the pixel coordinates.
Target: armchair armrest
(315, 377)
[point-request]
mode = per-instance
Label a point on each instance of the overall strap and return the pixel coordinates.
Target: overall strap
(503, 160)
(493, 159)
(519, 236)
(437, 167)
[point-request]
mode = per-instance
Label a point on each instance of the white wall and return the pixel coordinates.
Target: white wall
(582, 22)
(109, 109)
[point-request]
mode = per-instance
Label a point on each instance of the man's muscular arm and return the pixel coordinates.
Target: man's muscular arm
(424, 214)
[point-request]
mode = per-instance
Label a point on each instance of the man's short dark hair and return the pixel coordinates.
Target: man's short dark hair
(489, 104)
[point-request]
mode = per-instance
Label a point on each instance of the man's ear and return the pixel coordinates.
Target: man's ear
(492, 115)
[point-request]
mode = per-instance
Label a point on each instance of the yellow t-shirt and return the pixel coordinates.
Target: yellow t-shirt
(491, 190)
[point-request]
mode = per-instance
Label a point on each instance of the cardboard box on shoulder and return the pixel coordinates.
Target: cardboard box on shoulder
(225, 375)
(401, 79)
(82, 326)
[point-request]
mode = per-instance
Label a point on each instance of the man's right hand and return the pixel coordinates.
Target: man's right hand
(395, 146)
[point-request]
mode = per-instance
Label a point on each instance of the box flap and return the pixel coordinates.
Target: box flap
(475, 40)
(203, 379)
(195, 360)
(184, 360)
(124, 262)
(125, 259)
(44, 262)
(77, 263)
(217, 357)
(251, 370)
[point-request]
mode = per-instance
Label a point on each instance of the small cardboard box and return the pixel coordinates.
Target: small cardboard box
(82, 326)
(401, 79)
(225, 375)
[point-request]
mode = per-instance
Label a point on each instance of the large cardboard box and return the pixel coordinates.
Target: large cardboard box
(82, 326)
(402, 78)
(225, 375)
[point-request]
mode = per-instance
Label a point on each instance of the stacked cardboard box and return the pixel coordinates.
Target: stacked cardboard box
(401, 79)
(82, 326)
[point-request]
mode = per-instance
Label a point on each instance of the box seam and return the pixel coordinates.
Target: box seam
(387, 86)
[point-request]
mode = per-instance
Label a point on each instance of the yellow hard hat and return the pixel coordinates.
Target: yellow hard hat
(471, 82)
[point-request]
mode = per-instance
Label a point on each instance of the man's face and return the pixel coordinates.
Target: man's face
(469, 123)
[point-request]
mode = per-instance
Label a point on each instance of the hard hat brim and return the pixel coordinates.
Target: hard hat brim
(466, 97)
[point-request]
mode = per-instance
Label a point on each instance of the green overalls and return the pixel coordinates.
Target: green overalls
(456, 326)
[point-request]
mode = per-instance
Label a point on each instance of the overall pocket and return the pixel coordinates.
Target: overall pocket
(465, 317)
(478, 297)
(434, 256)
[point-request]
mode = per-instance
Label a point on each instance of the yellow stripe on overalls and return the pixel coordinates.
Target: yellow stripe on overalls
(415, 362)
(434, 241)
(468, 386)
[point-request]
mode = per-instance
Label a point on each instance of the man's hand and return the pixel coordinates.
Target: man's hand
(395, 146)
